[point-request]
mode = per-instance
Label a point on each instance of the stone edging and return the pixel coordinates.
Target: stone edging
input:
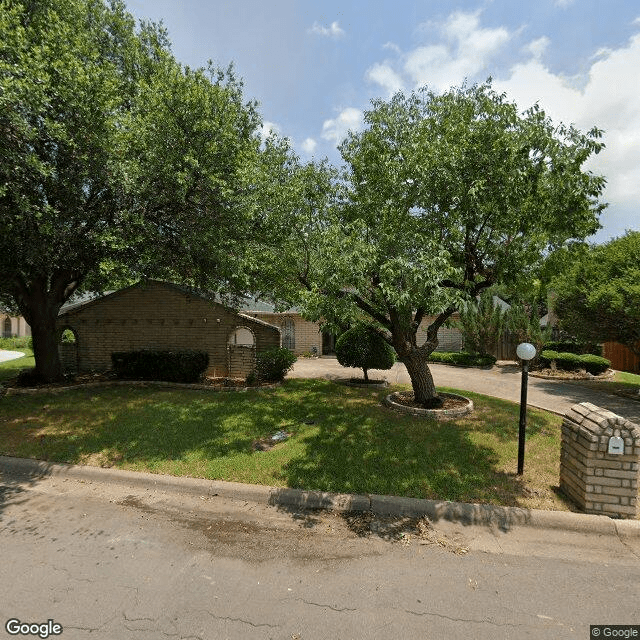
(431, 413)
(610, 373)
(15, 391)
(492, 516)
(378, 384)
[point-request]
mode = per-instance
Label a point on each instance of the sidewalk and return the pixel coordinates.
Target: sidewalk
(502, 381)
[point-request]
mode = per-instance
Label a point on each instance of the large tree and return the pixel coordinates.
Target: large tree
(597, 296)
(441, 197)
(116, 162)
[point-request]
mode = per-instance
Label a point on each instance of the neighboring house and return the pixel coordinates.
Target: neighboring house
(13, 326)
(303, 336)
(161, 315)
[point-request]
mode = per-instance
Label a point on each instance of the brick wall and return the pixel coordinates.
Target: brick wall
(307, 335)
(596, 480)
(156, 315)
(449, 339)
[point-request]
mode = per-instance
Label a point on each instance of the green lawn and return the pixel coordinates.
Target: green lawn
(10, 368)
(343, 440)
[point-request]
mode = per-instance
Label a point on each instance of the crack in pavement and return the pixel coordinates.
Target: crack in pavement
(471, 620)
(325, 606)
(255, 625)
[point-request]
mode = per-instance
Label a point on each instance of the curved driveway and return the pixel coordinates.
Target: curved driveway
(502, 381)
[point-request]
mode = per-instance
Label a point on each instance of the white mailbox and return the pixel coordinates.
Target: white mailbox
(616, 446)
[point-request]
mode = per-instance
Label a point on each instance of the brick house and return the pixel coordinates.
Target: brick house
(304, 336)
(13, 326)
(161, 315)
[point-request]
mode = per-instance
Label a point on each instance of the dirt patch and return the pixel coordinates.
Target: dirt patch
(406, 399)
(559, 374)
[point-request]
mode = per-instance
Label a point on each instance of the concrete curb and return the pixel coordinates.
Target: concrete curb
(490, 516)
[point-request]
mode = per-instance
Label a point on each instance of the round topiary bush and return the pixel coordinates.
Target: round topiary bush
(363, 347)
(272, 364)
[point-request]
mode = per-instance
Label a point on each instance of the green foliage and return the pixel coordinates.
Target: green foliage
(462, 359)
(116, 162)
(482, 324)
(273, 364)
(363, 347)
(597, 297)
(12, 344)
(580, 348)
(523, 323)
(441, 197)
(568, 361)
(170, 366)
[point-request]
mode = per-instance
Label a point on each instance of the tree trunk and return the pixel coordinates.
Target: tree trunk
(41, 312)
(424, 390)
(366, 379)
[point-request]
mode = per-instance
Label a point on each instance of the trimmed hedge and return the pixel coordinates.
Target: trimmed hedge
(462, 359)
(272, 365)
(572, 362)
(169, 366)
(579, 348)
(363, 347)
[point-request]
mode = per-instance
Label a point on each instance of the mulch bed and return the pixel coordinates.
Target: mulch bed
(559, 374)
(406, 398)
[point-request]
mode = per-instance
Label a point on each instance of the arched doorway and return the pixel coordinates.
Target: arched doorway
(6, 328)
(241, 352)
(68, 350)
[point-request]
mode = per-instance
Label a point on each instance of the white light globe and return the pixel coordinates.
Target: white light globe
(526, 351)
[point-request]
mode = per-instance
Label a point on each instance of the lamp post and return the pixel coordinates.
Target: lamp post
(525, 352)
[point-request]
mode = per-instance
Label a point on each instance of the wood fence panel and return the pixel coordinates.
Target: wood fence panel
(622, 358)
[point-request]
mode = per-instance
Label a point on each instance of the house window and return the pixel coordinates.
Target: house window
(242, 337)
(288, 334)
(6, 328)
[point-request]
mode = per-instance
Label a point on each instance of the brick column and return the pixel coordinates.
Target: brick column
(600, 481)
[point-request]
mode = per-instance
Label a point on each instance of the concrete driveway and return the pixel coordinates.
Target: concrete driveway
(9, 355)
(502, 381)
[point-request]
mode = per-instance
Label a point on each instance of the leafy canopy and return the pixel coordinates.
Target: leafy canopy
(597, 297)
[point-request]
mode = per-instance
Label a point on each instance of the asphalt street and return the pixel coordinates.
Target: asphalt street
(115, 562)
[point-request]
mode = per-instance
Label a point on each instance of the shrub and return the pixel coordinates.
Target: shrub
(579, 348)
(170, 366)
(595, 364)
(272, 364)
(363, 347)
(572, 362)
(462, 359)
(16, 343)
(29, 378)
(482, 323)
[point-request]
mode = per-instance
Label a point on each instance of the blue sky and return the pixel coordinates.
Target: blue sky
(314, 66)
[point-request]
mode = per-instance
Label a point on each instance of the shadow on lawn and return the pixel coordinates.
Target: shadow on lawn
(341, 441)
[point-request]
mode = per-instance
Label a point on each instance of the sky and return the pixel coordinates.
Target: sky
(314, 66)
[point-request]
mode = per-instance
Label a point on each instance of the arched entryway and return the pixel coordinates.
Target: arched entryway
(241, 352)
(68, 350)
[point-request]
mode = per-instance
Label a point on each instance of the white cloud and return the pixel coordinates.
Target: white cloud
(336, 129)
(309, 145)
(608, 98)
(268, 128)
(333, 31)
(537, 47)
(464, 49)
(383, 75)
(563, 4)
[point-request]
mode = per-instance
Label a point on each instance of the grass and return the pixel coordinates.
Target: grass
(622, 381)
(10, 368)
(343, 440)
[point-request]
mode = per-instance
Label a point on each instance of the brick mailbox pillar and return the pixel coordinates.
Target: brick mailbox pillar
(599, 461)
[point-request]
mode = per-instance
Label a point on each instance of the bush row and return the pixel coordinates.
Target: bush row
(170, 366)
(12, 344)
(462, 359)
(572, 362)
(579, 348)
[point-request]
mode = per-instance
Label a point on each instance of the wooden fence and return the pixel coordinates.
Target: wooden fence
(622, 359)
